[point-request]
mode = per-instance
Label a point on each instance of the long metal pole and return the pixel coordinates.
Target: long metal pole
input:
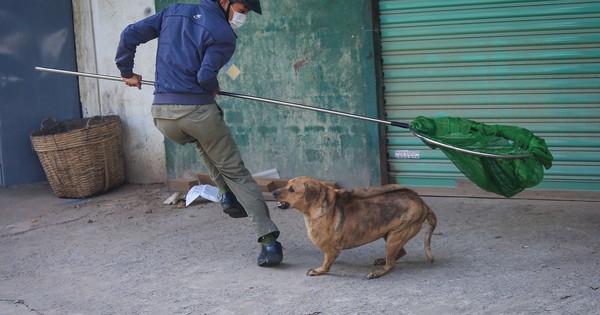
(242, 96)
(317, 109)
(89, 75)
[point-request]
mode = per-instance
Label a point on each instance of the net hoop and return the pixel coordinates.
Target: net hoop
(489, 155)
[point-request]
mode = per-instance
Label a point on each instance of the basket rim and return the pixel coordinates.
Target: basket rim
(79, 123)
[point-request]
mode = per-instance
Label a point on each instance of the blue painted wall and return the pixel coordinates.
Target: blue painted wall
(33, 33)
(313, 52)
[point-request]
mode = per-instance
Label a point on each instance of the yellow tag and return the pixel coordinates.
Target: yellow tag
(233, 72)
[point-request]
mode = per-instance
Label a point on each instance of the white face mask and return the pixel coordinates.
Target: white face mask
(237, 20)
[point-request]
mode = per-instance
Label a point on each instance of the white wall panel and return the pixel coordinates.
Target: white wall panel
(98, 25)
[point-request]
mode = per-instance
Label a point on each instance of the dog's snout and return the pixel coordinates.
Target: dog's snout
(280, 204)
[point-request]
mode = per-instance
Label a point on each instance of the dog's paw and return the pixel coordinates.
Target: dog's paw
(373, 275)
(378, 273)
(314, 272)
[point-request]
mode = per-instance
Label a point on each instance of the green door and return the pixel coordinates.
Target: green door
(534, 64)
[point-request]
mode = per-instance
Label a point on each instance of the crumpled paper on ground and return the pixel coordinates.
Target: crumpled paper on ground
(207, 192)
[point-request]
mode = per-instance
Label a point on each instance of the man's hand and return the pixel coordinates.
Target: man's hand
(135, 80)
(214, 94)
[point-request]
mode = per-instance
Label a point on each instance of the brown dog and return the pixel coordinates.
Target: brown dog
(339, 219)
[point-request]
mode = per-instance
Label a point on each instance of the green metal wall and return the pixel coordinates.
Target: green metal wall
(534, 64)
(313, 52)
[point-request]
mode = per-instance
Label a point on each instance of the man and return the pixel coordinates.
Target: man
(194, 43)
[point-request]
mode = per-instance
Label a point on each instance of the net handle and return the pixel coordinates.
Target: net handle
(237, 95)
(317, 109)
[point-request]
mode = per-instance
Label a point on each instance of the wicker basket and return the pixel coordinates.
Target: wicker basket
(81, 157)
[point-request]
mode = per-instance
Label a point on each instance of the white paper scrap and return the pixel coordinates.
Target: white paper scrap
(207, 192)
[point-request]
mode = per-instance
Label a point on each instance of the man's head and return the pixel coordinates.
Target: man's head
(240, 6)
(237, 10)
(251, 5)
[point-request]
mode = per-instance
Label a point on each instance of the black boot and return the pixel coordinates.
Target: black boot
(271, 254)
(232, 206)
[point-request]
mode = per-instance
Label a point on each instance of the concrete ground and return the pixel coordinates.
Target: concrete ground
(124, 252)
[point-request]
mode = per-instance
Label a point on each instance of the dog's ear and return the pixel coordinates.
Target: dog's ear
(311, 192)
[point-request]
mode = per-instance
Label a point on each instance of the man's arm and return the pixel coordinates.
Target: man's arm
(131, 37)
(215, 57)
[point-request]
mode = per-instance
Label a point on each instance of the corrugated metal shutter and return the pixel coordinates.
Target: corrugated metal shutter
(534, 64)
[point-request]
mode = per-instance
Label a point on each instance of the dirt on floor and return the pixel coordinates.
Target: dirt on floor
(125, 252)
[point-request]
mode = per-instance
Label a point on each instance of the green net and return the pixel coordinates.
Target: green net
(505, 176)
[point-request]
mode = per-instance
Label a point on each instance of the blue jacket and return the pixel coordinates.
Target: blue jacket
(194, 42)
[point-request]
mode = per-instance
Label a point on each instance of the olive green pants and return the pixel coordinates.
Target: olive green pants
(204, 126)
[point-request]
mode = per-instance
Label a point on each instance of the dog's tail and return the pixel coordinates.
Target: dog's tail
(432, 220)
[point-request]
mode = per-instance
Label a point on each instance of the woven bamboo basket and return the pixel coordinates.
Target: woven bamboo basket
(81, 157)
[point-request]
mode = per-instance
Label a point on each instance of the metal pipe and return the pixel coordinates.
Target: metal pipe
(89, 75)
(242, 96)
(317, 109)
